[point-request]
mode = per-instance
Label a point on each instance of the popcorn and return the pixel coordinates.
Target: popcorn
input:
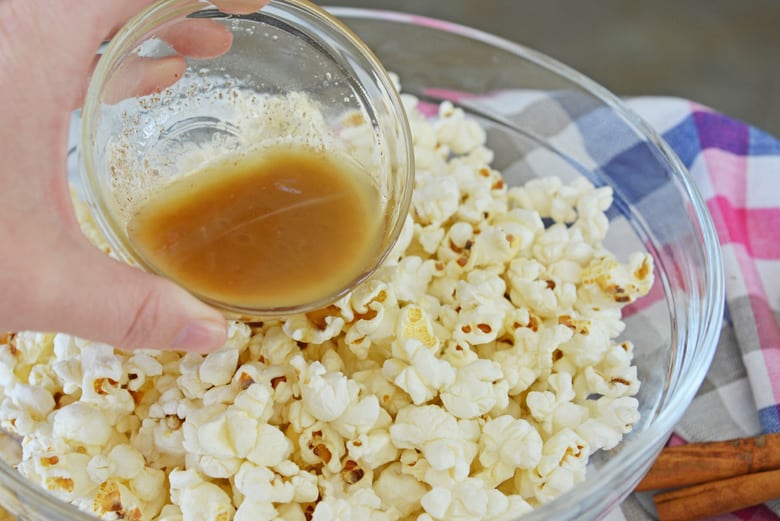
(550, 198)
(314, 328)
(362, 504)
(517, 369)
(139, 367)
(619, 413)
(492, 247)
(218, 367)
(271, 448)
(435, 199)
(453, 130)
(417, 371)
(251, 510)
(553, 408)
(325, 395)
(320, 444)
(373, 449)
(533, 288)
(470, 377)
(471, 500)
(401, 490)
(429, 237)
(81, 424)
(126, 462)
(608, 283)
(411, 278)
(32, 348)
(263, 485)
(146, 485)
(272, 345)
(391, 397)
(562, 465)
(620, 384)
(113, 500)
(360, 417)
(445, 444)
(199, 500)
(189, 381)
(65, 475)
(374, 309)
(477, 389)
(256, 400)
(238, 335)
(170, 513)
(35, 401)
(507, 444)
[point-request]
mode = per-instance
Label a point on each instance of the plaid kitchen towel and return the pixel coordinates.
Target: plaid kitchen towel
(737, 170)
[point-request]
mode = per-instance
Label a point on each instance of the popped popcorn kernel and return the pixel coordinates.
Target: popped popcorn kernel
(471, 377)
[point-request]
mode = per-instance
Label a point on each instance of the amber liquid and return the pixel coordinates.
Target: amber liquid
(277, 228)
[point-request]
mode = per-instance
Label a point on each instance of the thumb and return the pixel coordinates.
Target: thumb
(106, 300)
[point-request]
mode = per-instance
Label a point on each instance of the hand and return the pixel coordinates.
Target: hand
(52, 278)
(194, 38)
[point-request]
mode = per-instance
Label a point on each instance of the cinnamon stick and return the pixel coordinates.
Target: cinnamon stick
(702, 462)
(717, 497)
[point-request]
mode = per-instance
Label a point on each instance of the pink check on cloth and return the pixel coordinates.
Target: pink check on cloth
(737, 170)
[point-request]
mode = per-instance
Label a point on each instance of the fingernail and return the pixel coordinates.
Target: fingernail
(201, 337)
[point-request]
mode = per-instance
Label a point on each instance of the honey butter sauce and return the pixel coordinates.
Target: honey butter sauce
(274, 228)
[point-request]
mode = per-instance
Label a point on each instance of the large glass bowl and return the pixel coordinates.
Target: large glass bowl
(546, 119)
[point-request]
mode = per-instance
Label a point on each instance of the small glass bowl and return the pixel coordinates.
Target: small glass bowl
(184, 85)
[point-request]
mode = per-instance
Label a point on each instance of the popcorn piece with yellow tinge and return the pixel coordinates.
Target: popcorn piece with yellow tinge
(471, 500)
(438, 435)
(198, 499)
(507, 444)
(562, 465)
(373, 449)
(454, 130)
(435, 199)
(416, 369)
(478, 388)
(607, 283)
(326, 395)
(315, 327)
(82, 424)
(400, 490)
(553, 408)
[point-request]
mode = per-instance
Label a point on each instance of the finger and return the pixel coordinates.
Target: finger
(226, 6)
(198, 38)
(141, 76)
(239, 6)
(195, 38)
(105, 300)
